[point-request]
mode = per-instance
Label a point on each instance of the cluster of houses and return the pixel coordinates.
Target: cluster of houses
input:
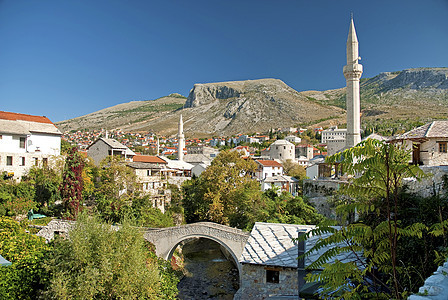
(27, 141)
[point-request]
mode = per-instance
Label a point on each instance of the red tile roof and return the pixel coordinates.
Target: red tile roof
(149, 159)
(16, 116)
(269, 163)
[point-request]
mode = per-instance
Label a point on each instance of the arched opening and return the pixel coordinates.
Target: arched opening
(211, 269)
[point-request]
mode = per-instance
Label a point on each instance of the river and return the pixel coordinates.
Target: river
(209, 275)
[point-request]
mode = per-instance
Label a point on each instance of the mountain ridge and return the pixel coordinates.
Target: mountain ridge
(227, 108)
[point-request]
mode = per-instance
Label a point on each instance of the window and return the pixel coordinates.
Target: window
(148, 172)
(45, 161)
(36, 161)
(272, 276)
(22, 142)
(9, 160)
(442, 147)
(22, 161)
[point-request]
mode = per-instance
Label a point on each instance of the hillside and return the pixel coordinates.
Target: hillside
(391, 99)
(133, 112)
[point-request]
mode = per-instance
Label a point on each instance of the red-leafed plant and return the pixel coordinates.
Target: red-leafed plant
(72, 182)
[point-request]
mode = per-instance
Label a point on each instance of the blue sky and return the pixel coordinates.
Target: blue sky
(64, 59)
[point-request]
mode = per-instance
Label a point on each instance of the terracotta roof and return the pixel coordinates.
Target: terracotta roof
(434, 129)
(149, 159)
(16, 116)
(269, 163)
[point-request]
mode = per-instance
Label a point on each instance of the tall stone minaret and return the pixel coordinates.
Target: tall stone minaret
(181, 140)
(352, 73)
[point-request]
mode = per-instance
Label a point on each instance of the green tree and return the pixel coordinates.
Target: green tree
(115, 189)
(100, 262)
(25, 277)
(285, 208)
(225, 192)
(376, 171)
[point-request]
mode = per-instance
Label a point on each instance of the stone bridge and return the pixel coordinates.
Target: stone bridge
(167, 239)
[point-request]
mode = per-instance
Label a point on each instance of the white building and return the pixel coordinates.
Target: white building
(293, 139)
(25, 141)
(333, 133)
(268, 168)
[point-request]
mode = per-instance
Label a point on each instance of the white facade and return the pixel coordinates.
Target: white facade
(26, 141)
(268, 168)
(333, 133)
(293, 139)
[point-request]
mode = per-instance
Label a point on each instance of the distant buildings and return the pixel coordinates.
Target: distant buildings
(26, 141)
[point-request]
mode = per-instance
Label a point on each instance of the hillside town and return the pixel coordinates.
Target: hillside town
(296, 212)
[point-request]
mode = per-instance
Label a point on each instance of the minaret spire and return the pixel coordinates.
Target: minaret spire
(181, 140)
(352, 73)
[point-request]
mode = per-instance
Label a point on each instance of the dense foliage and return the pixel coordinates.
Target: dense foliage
(101, 262)
(386, 232)
(24, 279)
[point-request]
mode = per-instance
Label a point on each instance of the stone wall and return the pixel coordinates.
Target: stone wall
(319, 192)
(431, 185)
(435, 287)
(254, 285)
(60, 227)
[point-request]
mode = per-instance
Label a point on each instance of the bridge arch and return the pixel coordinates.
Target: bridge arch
(167, 239)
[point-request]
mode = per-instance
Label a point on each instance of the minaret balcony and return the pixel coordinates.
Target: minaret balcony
(352, 71)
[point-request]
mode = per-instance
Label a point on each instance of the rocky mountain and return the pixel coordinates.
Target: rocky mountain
(227, 108)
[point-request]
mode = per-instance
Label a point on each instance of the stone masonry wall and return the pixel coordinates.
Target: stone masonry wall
(431, 185)
(254, 285)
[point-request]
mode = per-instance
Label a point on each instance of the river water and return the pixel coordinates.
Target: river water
(209, 275)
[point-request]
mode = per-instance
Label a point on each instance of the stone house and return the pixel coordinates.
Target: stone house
(270, 268)
(428, 143)
(282, 150)
(153, 182)
(104, 147)
(26, 141)
(306, 151)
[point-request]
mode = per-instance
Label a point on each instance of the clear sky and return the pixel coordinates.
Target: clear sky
(67, 58)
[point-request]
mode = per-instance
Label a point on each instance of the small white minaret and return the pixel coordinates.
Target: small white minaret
(158, 147)
(181, 140)
(352, 73)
